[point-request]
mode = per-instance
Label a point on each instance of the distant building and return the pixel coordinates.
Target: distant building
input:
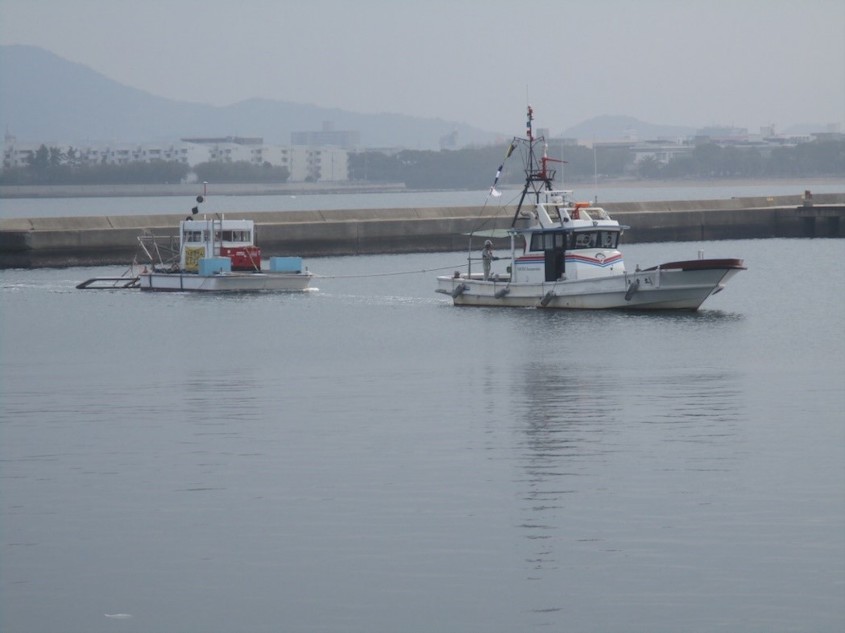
(829, 136)
(304, 164)
(322, 164)
(663, 152)
(17, 154)
(218, 140)
(625, 144)
(227, 149)
(721, 133)
(328, 136)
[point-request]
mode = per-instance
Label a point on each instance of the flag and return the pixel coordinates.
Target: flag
(493, 191)
(496, 179)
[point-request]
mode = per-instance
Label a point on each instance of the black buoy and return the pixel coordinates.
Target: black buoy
(195, 209)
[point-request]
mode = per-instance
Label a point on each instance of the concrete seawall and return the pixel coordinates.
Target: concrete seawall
(82, 241)
(190, 190)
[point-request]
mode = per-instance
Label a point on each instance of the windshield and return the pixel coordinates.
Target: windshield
(596, 239)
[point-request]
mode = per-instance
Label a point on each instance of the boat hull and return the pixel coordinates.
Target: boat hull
(225, 282)
(668, 287)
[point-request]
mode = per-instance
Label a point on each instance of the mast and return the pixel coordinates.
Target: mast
(538, 176)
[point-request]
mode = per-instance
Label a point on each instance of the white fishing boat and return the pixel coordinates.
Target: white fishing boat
(209, 255)
(565, 254)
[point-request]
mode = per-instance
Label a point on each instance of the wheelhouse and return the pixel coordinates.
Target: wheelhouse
(234, 239)
(553, 244)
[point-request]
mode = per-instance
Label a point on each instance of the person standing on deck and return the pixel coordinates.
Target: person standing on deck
(487, 258)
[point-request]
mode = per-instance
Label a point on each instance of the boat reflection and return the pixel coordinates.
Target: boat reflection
(564, 414)
(592, 440)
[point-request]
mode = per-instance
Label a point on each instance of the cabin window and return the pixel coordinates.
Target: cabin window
(549, 241)
(194, 236)
(597, 239)
(585, 240)
(608, 239)
(237, 235)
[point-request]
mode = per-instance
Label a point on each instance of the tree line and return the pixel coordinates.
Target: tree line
(476, 168)
(470, 168)
(819, 158)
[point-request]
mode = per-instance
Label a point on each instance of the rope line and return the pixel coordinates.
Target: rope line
(403, 272)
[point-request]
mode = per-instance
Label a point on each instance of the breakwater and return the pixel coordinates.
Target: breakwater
(105, 240)
(190, 190)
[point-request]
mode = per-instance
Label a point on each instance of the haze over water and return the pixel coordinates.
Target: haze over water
(370, 458)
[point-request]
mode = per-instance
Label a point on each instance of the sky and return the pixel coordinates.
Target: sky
(742, 63)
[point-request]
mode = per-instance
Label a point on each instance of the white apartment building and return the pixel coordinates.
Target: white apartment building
(663, 152)
(315, 164)
(304, 163)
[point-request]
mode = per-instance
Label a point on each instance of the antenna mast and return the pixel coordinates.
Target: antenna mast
(537, 174)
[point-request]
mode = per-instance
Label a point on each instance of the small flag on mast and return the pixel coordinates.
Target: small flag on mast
(493, 191)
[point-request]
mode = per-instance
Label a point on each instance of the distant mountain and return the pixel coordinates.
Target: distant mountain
(607, 127)
(45, 98)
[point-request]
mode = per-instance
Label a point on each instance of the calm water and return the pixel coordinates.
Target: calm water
(71, 207)
(368, 458)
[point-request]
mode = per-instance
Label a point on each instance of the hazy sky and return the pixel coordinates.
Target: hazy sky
(746, 63)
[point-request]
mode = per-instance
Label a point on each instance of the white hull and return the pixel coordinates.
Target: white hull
(655, 289)
(225, 282)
